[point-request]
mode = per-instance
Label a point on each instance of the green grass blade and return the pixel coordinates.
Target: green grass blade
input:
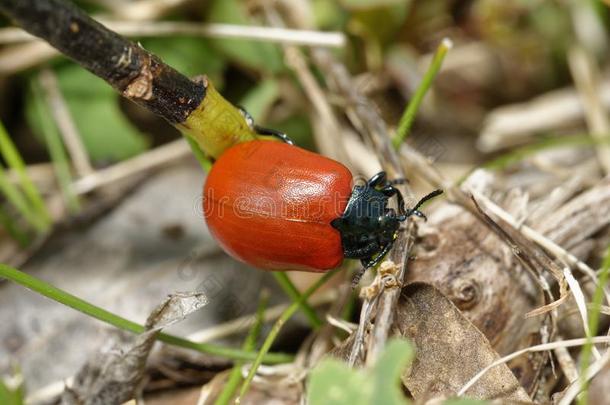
(598, 297)
(277, 326)
(292, 292)
(15, 162)
(13, 229)
(408, 117)
(17, 199)
(56, 149)
(249, 345)
(93, 311)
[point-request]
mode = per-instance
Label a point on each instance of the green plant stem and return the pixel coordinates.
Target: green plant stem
(78, 304)
(56, 151)
(598, 297)
(204, 162)
(292, 292)
(408, 117)
(15, 162)
(249, 345)
(277, 326)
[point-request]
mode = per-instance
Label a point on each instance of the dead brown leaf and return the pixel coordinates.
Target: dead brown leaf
(114, 374)
(449, 349)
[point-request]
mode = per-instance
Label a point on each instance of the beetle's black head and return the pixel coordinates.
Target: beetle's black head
(368, 227)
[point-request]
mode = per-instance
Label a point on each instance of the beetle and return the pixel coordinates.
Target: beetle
(276, 206)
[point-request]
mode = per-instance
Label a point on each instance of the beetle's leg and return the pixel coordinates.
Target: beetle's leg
(415, 210)
(380, 179)
(264, 131)
(247, 116)
(391, 191)
(375, 261)
(370, 262)
(272, 132)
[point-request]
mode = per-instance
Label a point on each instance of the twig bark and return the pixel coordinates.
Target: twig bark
(136, 73)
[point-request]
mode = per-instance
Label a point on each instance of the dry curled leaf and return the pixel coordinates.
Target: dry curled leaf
(114, 374)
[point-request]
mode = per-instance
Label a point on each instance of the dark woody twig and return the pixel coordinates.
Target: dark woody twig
(135, 73)
(192, 105)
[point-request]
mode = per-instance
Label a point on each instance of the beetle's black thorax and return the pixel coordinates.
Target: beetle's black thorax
(367, 224)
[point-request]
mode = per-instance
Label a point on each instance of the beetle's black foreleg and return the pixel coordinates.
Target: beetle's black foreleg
(375, 261)
(264, 131)
(370, 262)
(380, 179)
(390, 191)
(272, 132)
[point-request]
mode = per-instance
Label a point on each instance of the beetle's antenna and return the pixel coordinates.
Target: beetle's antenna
(425, 198)
(415, 210)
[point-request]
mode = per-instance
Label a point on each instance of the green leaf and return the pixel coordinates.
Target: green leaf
(387, 371)
(255, 55)
(189, 56)
(334, 382)
(106, 132)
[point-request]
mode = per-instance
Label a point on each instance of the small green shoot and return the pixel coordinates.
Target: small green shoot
(56, 149)
(15, 162)
(18, 200)
(277, 326)
(292, 292)
(249, 344)
(12, 228)
(408, 117)
(598, 297)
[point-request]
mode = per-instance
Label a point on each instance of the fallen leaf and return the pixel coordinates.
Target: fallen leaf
(114, 374)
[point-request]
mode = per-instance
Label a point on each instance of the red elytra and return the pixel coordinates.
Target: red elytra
(270, 204)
